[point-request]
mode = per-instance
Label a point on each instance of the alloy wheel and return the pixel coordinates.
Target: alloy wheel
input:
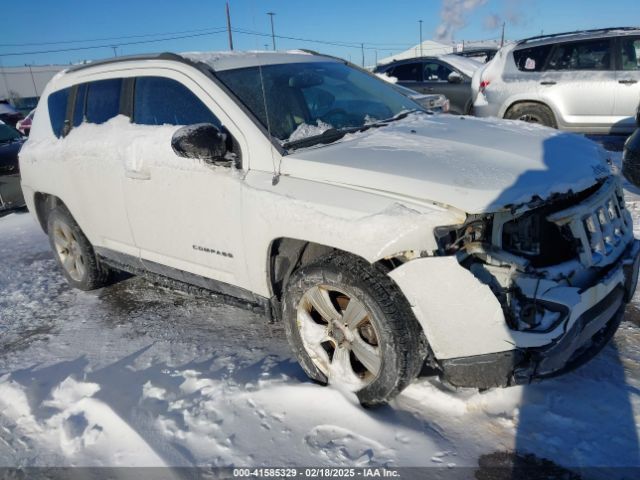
(338, 334)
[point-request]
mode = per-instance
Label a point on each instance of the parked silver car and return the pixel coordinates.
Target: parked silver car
(586, 81)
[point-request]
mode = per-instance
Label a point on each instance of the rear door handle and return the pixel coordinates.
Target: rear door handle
(627, 81)
(548, 82)
(137, 175)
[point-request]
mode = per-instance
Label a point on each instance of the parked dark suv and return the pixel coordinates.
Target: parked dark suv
(449, 75)
(10, 192)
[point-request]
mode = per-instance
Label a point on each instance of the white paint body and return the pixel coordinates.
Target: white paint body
(374, 194)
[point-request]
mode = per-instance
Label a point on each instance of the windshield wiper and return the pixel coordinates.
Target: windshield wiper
(328, 136)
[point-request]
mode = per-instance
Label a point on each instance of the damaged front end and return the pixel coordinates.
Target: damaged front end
(561, 271)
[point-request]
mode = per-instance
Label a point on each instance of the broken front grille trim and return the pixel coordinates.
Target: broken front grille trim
(601, 224)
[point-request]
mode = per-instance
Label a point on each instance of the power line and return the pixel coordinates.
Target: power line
(88, 40)
(112, 45)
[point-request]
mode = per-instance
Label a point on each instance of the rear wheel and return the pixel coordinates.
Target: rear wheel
(74, 252)
(532, 113)
(348, 325)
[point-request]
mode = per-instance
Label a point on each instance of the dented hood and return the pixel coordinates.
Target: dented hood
(474, 165)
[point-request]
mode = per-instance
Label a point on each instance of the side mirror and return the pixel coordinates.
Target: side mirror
(638, 117)
(454, 77)
(203, 141)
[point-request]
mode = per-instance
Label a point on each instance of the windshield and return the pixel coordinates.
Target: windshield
(306, 99)
(8, 134)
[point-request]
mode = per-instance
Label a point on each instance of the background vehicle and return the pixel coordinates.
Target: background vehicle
(8, 114)
(631, 154)
(449, 75)
(24, 125)
(10, 192)
(318, 193)
(480, 54)
(586, 81)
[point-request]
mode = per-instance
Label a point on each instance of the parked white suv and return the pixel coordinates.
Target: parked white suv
(382, 236)
(586, 81)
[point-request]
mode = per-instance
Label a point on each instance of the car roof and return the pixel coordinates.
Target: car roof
(577, 35)
(218, 61)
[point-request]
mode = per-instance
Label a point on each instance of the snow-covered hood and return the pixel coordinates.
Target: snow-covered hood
(471, 164)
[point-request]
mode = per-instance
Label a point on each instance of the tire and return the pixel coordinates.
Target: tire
(532, 113)
(382, 322)
(74, 253)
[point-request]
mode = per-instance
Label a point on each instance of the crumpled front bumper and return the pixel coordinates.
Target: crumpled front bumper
(469, 336)
(585, 337)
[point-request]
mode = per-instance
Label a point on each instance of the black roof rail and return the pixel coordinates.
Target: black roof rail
(128, 58)
(576, 32)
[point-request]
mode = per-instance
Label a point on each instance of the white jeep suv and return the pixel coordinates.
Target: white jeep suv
(382, 236)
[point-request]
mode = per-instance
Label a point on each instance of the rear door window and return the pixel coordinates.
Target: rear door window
(630, 51)
(160, 100)
(103, 100)
(436, 72)
(57, 103)
(532, 59)
(408, 72)
(584, 55)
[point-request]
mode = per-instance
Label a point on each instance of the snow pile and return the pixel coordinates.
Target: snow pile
(386, 78)
(305, 130)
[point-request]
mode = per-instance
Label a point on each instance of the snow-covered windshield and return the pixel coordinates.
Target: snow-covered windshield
(305, 99)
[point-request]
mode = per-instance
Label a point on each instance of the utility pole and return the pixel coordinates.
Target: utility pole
(376, 50)
(420, 22)
(229, 28)
(273, 33)
(502, 38)
(362, 48)
(35, 89)
(115, 50)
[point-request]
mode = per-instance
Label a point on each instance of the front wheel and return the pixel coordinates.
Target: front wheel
(348, 325)
(74, 252)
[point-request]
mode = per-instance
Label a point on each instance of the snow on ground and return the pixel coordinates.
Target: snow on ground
(135, 374)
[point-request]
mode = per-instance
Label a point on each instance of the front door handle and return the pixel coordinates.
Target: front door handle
(548, 82)
(137, 175)
(627, 81)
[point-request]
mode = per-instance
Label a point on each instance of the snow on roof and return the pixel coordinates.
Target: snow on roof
(429, 49)
(230, 60)
(466, 65)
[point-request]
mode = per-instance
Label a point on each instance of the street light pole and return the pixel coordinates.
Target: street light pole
(229, 28)
(273, 34)
(35, 89)
(420, 22)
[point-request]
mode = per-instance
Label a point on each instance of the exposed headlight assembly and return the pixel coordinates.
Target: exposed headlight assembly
(452, 238)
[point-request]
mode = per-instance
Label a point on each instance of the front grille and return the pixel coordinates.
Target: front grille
(601, 225)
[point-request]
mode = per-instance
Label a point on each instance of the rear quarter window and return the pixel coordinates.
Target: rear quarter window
(584, 55)
(57, 103)
(408, 72)
(532, 59)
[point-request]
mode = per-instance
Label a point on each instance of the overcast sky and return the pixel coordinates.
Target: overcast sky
(386, 26)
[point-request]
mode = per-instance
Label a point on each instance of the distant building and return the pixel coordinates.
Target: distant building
(25, 82)
(429, 49)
